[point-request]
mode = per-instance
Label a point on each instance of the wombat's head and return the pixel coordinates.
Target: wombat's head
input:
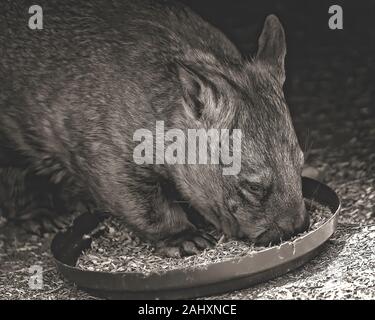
(263, 200)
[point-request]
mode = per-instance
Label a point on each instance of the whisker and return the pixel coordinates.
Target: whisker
(307, 144)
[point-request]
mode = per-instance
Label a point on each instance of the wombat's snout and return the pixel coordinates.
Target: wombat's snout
(285, 228)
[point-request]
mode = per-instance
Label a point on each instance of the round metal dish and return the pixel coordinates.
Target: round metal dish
(215, 278)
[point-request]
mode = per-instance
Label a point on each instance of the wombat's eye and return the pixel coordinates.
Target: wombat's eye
(251, 190)
(255, 188)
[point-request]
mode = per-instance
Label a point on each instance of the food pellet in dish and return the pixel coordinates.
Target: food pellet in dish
(119, 250)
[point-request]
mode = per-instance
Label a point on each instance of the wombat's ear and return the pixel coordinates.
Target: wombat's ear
(272, 45)
(198, 92)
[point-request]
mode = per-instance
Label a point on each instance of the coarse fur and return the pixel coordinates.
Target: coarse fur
(73, 94)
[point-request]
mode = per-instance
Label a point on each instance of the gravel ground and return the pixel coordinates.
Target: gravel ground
(330, 90)
(18, 252)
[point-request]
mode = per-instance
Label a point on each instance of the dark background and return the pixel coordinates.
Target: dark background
(305, 21)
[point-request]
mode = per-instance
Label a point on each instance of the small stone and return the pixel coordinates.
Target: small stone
(311, 172)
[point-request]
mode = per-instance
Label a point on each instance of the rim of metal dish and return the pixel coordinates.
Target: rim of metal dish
(216, 278)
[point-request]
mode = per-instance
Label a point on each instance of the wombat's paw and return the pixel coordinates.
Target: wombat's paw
(45, 225)
(185, 245)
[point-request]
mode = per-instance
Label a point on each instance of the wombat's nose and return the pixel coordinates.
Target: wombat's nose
(286, 230)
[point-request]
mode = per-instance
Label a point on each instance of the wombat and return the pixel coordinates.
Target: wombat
(73, 94)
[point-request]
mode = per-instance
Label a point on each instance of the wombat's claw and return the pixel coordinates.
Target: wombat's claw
(209, 237)
(185, 246)
(45, 225)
